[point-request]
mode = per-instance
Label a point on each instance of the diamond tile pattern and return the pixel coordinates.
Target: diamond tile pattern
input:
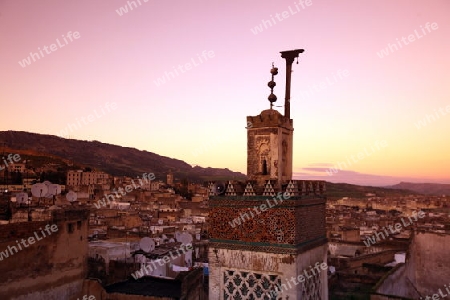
(241, 285)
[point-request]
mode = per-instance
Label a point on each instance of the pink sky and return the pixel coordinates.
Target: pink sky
(105, 82)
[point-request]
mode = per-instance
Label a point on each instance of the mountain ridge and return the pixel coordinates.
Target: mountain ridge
(121, 160)
(113, 159)
(435, 189)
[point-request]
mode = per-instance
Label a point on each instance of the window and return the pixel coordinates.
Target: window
(264, 167)
(70, 227)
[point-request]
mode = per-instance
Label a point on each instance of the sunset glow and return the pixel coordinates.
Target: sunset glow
(179, 78)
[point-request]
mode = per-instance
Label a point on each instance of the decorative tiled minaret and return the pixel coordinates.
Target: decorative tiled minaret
(268, 235)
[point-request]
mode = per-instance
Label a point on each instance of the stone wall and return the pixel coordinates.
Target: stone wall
(425, 272)
(116, 296)
(52, 267)
(259, 142)
(69, 291)
(380, 258)
(12, 231)
(192, 286)
(396, 284)
(428, 262)
(295, 222)
(269, 143)
(236, 271)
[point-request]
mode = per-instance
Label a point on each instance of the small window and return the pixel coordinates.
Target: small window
(264, 167)
(70, 227)
(79, 225)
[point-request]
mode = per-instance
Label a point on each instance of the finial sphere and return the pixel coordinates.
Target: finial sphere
(272, 98)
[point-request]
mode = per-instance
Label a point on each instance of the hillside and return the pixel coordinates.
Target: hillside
(60, 154)
(339, 190)
(113, 159)
(435, 189)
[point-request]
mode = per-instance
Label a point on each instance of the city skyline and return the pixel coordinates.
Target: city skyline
(179, 80)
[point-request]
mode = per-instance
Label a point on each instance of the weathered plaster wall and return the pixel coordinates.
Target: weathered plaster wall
(69, 291)
(428, 263)
(284, 265)
(426, 270)
(51, 267)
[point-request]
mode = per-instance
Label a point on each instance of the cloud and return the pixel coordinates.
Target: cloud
(352, 177)
(327, 165)
(321, 170)
(301, 173)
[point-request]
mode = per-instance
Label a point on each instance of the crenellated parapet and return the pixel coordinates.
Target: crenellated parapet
(270, 118)
(251, 188)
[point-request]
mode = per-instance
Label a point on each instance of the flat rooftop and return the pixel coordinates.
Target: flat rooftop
(147, 286)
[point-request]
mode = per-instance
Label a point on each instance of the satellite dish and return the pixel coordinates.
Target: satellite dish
(39, 190)
(51, 191)
(171, 241)
(71, 196)
(54, 189)
(48, 184)
(21, 198)
(178, 236)
(186, 238)
(95, 232)
(147, 244)
(164, 237)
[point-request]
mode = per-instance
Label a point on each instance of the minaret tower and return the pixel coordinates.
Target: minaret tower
(268, 235)
(270, 135)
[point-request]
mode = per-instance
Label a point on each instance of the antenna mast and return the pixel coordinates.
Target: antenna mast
(289, 56)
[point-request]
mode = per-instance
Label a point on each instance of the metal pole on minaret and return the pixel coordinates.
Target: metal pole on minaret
(289, 56)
